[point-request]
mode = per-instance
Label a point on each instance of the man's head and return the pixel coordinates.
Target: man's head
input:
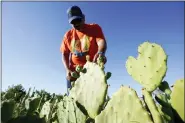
(76, 17)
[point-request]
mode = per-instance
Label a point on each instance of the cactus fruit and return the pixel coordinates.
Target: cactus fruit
(68, 112)
(74, 74)
(100, 62)
(124, 107)
(108, 75)
(177, 98)
(78, 68)
(90, 89)
(150, 66)
(157, 118)
(84, 70)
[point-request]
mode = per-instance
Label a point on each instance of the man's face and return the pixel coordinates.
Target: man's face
(77, 24)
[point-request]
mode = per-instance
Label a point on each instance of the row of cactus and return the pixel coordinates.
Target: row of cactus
(88, 100)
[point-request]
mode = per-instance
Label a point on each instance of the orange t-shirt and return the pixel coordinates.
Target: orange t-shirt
(85, 41)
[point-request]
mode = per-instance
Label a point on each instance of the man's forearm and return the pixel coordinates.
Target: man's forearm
(65, 60)
(102, 46)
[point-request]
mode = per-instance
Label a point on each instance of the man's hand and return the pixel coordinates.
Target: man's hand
(68, 75)
(103, 56)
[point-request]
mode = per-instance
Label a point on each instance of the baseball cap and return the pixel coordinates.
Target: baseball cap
(74, 12)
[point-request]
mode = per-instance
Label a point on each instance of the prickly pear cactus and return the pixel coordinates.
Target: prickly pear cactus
(68, 112)
(31, 104)
(27, 119)
(124, 107)
(150, 66)
(164, 86)
(90, 89)
(108, 75)
(79, 68)
(162, 99)
(164, 108)
(177, 98)
(166, 113)
(7, 108)
(45, 111)
(157, 118)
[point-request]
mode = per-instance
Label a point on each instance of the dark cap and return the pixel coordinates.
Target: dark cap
(74, 12)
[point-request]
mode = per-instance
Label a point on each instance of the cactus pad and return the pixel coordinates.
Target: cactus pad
(150, 66)
(68, 112)
(157, 118)
(32, 103)
(7, 108)
(177, 98)
(124, 107)
(90, 89)
(164, 108)
(46, 108)
(166, 113)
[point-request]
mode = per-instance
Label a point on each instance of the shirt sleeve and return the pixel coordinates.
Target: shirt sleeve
(99, 33)
(64, 45)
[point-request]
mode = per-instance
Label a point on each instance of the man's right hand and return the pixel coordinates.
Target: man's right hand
(68, 75)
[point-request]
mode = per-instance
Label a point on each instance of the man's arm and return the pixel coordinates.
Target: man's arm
(65, 60)
(101, 42)
(102, 46)
(65, 56)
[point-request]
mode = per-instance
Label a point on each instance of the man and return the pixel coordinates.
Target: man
(83, 39)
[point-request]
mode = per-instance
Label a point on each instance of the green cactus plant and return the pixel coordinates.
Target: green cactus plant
(27, 119)
(79, 68)
(75, 74)
(68, 112)
(166, 114)
(90, 89)
(48, 109)
(88, 101)
(177, 98)
(164, 87)
(150, 66)
(44, 113)
(124, 107)
(31, 104)
(157, 118)
(100, 62)
(162, 99)
(7, 109)
(164, 108)
(108, 75)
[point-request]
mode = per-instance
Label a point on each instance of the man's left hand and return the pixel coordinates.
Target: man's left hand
(102, 55)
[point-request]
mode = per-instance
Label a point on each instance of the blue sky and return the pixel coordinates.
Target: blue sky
(32, 34)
